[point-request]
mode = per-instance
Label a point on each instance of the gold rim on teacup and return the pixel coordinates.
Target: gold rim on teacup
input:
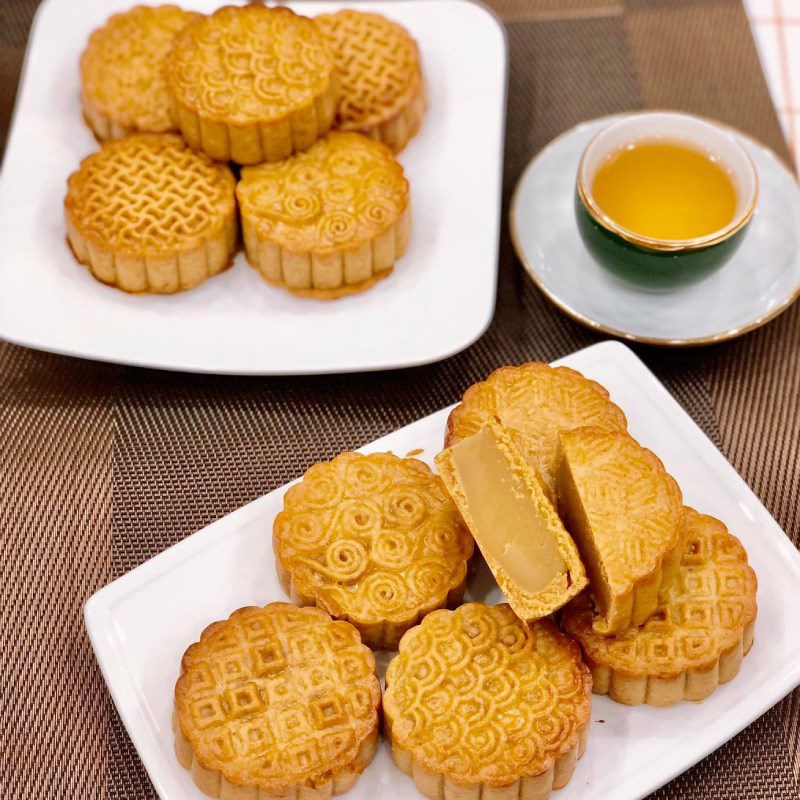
(685, 129)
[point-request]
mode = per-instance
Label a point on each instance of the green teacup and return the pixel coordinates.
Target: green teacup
(663, 264)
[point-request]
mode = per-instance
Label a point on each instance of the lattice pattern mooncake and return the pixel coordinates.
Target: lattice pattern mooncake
(252, 83)
(534, 403)
(531, 555)
(277, 702)
(374, 539)
(327, 222)
(148, 214)
(697, 638)
(383, 93)
(626, 515)
(479, 704)
(124, 87)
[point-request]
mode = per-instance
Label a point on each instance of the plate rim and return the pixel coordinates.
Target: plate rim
(589, 322)
(196, 364)
(100, 603)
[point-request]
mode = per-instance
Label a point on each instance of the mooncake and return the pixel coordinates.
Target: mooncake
(480, 705)
(123, 82)
(373, 539)
(277, 702)
(626, 515)
(531, 555)
(383, 93)
(697, 638)
(327, 222)
(148, 214)
(534, 403)
(252, 83)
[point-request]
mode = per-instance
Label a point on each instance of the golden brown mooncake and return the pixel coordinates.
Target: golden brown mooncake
(534, 402)
(327, 222)
(373, 539)
(148, 214)
(479, 704)
(124, 86)
(697, 638)
(277, 702)
(626, 515)
(531, 555)
(383, 93)
(252, 83)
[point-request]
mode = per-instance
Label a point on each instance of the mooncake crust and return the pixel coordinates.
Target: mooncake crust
(528, 606)
(329, 221)
(148, 214)
(383, 91)
(697, 639)
(301, 693)
(123, 80)
(638, 521)
(374, 539)
(530, 676)
(534, 402)
(252, 83)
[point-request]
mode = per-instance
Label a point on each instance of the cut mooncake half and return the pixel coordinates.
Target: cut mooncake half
(534, 402)
(531, 555)
(697, 638)
(626, 515)
(479, 704)
(383, 93)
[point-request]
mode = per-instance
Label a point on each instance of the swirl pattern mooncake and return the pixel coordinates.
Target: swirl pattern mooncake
(626, 515)
(534, 403)
(383, 93)
(697, 638)
(373, 539)
(252, 83)
(148, 214)
(479, 704)
(124, 87)
(329, 221)
(277, 702)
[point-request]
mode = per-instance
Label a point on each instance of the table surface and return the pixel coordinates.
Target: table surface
(106, 466)
(776, 28)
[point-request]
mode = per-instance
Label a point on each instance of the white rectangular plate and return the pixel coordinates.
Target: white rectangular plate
(141, 624)
(237, 323)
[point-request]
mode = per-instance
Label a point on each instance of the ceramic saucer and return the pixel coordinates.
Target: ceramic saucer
(758, 283)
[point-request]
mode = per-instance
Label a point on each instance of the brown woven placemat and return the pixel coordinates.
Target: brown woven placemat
(104, 466)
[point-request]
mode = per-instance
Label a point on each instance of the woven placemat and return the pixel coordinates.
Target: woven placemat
(104, 466)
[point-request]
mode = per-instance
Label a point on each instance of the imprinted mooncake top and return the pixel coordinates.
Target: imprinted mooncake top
(534, 403)
(277, 696)
(711, 602)
(336, 196)
(122, 68)
(633, 506)
(149, 194)
(372, 537)
(378, 64)
(243, 65)
(482, 697)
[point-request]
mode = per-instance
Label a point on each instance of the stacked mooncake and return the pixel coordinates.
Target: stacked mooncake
(315, 109)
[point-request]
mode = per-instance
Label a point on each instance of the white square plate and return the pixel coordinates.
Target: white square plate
(141, 624)
(236, 323)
